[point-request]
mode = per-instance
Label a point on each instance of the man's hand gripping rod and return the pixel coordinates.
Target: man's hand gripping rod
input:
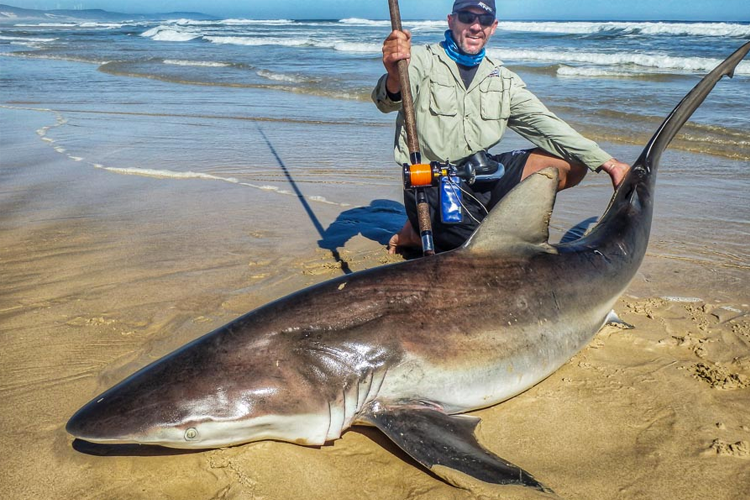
(416, 171)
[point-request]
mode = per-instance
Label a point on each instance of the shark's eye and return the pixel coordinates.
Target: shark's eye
(191, 434)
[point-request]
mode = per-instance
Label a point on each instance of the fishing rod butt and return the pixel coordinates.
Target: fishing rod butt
(425, 223)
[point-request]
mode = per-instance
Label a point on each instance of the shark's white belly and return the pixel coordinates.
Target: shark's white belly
(496, 376)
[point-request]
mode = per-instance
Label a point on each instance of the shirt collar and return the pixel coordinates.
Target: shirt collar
(486, 67)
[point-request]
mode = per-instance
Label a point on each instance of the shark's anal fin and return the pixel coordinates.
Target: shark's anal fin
(519, 223)
(436, 439)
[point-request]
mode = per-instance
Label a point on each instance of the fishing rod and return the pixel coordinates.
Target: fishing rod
(417, 176)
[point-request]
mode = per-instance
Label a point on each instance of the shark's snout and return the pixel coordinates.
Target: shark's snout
(98, 422)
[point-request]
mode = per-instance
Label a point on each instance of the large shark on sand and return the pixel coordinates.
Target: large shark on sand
(408, 347)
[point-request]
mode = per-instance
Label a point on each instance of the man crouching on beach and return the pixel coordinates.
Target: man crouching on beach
(464, 100)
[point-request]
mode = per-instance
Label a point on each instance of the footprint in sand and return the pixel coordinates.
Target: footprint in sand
(740, 449)
(719, 377)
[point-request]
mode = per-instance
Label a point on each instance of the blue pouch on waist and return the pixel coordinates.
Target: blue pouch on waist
(450, 200)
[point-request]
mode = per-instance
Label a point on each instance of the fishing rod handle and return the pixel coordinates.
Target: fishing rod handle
(425, 223)
(410, 123)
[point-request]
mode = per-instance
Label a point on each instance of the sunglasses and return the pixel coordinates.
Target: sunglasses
(466, 17)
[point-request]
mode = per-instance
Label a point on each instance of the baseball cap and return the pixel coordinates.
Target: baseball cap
(486, 5)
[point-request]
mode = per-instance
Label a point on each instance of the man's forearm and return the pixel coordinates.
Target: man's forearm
(532, 120)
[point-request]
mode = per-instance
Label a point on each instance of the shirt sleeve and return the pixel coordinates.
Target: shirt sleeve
(532, 120)
(382, 99)
(419, 65)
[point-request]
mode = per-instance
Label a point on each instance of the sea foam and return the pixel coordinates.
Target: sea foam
(167, 34)
(82, 24)
(645, 28)
(206, 64)
(232, 22)
(26, 39)
(339, 45)
(165, 174)
(189, 175)
(280, 77)
(259, 41)
(369, 48)
(589, 72)
(355, 21)
(656, 61)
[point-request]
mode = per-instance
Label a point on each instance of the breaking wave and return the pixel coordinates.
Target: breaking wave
(355, 21)
(52, 57)
(740, 30)
(203, 64)
(646, 28)
(232, 22)
(655, 61)
(369, 48)
(339, 45)
(257, 41)
(82, 24)
(26, 39)
(283, 77)
(588, 72)
(167, 34)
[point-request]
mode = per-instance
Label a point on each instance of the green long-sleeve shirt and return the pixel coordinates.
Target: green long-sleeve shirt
(454, 122)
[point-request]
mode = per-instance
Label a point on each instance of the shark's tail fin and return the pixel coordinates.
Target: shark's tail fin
(649, 159)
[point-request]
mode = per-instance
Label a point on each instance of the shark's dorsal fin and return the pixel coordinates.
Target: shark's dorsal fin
(519, 224)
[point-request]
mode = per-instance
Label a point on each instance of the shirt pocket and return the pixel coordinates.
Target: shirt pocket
(443, 99)
(494, 100)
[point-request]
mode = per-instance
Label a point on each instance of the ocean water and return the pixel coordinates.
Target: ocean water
(251, 102)
(607, 78)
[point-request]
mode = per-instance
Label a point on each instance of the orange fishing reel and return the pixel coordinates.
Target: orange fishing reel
(424, 175)
(478, 167)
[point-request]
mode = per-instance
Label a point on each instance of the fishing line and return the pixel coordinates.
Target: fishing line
(455, 185)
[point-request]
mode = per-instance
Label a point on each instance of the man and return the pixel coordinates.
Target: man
(464, 100)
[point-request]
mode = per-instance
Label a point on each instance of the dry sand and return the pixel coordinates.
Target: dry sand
(138, 268)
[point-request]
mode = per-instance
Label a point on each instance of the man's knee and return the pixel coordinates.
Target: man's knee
(574, 175)
(569, 174)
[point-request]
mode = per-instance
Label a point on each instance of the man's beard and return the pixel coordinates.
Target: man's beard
(470, 51)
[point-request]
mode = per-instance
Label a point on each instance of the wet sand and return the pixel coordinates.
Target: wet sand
(103, 273)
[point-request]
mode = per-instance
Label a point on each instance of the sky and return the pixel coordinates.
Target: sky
(601, 10)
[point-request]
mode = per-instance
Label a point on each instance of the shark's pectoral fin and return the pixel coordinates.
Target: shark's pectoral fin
(519, 223)
(445, 443)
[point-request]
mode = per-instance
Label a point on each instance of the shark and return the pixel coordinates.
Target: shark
(410, 347)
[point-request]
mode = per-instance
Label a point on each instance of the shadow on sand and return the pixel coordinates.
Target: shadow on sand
(378, 222)
(126, 450)
(579, 230)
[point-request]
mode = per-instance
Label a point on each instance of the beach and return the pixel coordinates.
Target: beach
(139, 213)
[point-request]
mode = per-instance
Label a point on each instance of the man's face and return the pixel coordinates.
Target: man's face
(471, 38)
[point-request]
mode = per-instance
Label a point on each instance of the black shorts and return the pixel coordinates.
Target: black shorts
(450, 236)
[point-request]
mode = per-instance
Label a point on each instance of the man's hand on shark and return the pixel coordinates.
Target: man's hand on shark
(617, 171)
